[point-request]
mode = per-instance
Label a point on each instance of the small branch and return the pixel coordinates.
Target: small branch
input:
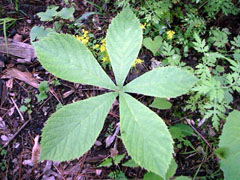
(190, 124)
(19, 112)
(18, 131)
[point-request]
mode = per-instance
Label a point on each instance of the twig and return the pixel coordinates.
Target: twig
(18, 131)
(19, 112)
(190, 124)
(59, 172)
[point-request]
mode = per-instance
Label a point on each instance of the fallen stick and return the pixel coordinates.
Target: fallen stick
(19, 112)
(23, 51)
(18, 131)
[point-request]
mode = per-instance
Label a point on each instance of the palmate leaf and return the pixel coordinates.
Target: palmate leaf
(73, 129)
(230, 147)
(164, 82)
(145, 136)
(123, 42)
(69, 59)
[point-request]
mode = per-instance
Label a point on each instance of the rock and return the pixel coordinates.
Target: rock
(4, 138)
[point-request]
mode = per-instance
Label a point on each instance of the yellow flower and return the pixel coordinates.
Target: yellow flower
(103, 48)
(85, 31)
(103, 41)
(77, 37)
(106, 59)
(85, 41)
(170, 34)
(96, 46)
(143, 26)
(137, 61)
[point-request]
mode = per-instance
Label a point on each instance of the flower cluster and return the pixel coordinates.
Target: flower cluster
(170, 34)
(84, 38)
(100, 49)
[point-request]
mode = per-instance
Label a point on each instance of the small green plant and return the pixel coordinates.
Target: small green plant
(179, 132)
(43, 90)
(52, 14)
(214, 91)
(115, 160)
(27, 106)
(73, 129)
(226, 7)
(3, 162)
(153, 45)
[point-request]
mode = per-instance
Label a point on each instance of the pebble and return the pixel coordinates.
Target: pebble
(4, 138)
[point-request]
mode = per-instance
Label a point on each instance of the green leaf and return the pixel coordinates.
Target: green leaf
(130, 163)
(161, 103)
(123, 42)
(153, 45)
(230, 147)
(165, 82)
(39, 32)
(74, 128)
(23, 108)
(182, 178)
(179, 131)
(145, 136)
(106, 163)
(152, 176)
(49, 14)
(43, 87)
(66, 13)
(69, 59)
(171, 171)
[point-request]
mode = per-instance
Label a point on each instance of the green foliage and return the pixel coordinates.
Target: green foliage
(215, 6)
(236, 41)
(179, 132)
(153, 45)
(123, 44)
(27, 106)
(71, 60)
(183, 178)
(112, 161)
(160, 82)
(156, 11)
(130, 163)
(72, 130)
(51, 13)
(38, 32)
(43, 90)
(3, 162)
(193, 24)
(229, 146)
(170, 173)
(219, 38)
(137, 120)
(161, 103)
(117, 175)
(215, 88)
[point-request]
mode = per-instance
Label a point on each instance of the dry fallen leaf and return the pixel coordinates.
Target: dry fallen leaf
(9, 83)
(36, 151)
(23, 76)
(109, 140)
